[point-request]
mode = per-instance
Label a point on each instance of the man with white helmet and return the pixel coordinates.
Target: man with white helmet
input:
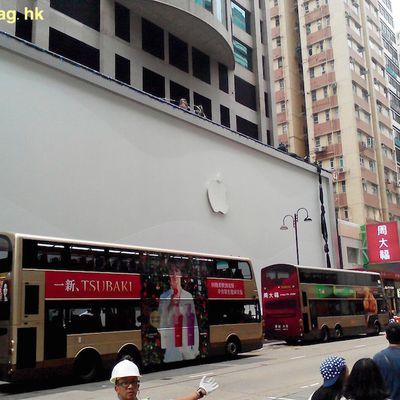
(126, 379)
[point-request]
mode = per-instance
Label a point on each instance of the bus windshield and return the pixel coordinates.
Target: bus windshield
(5, 254)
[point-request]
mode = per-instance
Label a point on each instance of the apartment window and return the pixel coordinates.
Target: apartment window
(204, 102)
(266, 104)
(332, 163)
(306, 8)
(308, 29)
(177, 92)
(364, 185)
(343, 184)
(263, 67)
(339, 137)
(122, 69)
(283, 106)
(178, 53)
(325, 91)
(243, 54)
(315, 119)
(246, 127)
(329, 138)
(245, 93)
(225, 117)
(122, 22)
(277, 21)
(223, 78)
(152, 39)
(85, 11)
(346, 213)
(341, 162)
(374, 188)
(278, 41)
(312, 72)
(74, 49)
(281, 84)
(201, 65)
(153, 83)
(314, 95)
(280, 62)
(327, 115)
(317, 142)
(23, 27)
(240, 17)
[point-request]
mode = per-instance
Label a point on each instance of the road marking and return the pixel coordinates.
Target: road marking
(359, 346)
(296, 358)
(201, 375)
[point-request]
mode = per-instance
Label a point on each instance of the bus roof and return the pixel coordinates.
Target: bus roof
(323, 269)
(125, 246)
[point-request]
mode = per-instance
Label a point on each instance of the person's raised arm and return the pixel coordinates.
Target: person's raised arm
(206, 386)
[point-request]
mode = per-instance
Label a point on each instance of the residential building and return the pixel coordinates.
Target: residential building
(341, 68)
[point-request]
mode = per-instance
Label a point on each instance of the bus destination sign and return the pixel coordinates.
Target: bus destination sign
(83, 285)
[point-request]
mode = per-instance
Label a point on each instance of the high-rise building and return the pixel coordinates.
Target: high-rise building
(335, 60)
(213, 53)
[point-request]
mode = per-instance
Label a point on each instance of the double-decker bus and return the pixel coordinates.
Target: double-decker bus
(306, 303)
(75, 306)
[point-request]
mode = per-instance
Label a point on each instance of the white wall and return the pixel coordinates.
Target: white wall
(79, 160)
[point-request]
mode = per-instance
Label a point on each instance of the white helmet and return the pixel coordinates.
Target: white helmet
(124, 368)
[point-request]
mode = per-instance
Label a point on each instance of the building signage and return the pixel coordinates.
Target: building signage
(86, 285)
(225, 289)
(383, 242)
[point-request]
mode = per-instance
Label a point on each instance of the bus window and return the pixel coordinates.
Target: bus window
(43, 255)
(5, 254)
(245, 270)
(233, 312)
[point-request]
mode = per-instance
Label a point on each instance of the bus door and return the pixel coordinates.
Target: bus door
(29, 334)
(305, 308)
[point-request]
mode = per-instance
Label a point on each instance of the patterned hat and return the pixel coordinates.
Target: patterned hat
(331, 368)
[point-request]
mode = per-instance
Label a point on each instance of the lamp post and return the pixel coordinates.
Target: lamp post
(295, 220)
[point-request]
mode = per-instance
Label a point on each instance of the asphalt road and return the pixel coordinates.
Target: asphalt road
(275, 372)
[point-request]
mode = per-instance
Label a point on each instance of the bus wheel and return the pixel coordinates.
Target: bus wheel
(324, 334)
(338, 332)
(87, 366)
(232, 347)
(132, 353)
(377, 328)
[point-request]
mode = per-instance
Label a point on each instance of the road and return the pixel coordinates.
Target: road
(276, 371)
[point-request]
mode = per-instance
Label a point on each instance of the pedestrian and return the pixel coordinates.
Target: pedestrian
(183, 103)
(334, 372)
(365, 382)
(388, 360)
(126, 379)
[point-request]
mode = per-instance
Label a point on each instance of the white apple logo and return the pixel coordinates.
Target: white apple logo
(217, 195)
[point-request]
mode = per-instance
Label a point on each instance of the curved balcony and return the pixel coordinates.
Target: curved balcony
(192, 23)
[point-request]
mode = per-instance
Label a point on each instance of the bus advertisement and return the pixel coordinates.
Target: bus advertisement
(307, 303)
(80, 306)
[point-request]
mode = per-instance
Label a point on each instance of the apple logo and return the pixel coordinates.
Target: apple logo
(217, 195)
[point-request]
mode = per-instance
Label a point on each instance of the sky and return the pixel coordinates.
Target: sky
(396, 14)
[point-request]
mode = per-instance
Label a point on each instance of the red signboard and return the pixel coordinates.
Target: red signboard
(225, 289)
(86, 285)
(383, 242)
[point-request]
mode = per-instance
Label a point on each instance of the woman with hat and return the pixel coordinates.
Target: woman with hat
(334, 372)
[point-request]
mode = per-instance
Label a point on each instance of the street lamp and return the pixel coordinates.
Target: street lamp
(295, 219)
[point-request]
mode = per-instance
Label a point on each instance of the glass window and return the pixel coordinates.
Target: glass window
(243, 54)
(122, 69)
(221, 312)
(122, 22)
(201, 65)
(240, 17)
(207, 4)
(178, 53)
(5, 254)
(152, 39)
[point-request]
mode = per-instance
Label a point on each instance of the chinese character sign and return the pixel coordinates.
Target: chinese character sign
(83, 285)
(225, 289)
(383, 242)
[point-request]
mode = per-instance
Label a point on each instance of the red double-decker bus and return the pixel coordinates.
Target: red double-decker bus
(306, 303)
(68, 305)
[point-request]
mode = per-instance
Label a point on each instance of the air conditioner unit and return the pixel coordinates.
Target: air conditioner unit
(320, 149)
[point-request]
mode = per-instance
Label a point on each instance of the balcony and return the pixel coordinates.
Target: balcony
(340, 199)
(319, 13)
(186, 19)
(371, 200)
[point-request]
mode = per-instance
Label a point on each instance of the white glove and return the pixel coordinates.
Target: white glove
(208, 383)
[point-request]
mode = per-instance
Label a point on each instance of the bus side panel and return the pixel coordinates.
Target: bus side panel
(250, 336)
(104, 343)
